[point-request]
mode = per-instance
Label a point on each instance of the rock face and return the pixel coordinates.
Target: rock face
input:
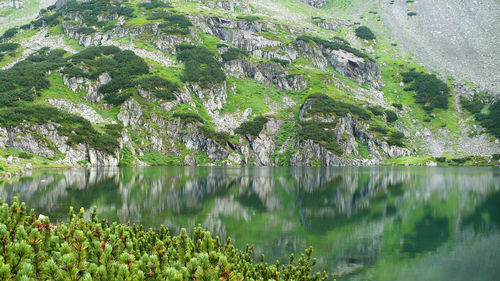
(315, 3)
(266, 73)
(83, 110)
(311, 153)
(362, 70)
(44, 140)
(214, 97)
(348, 132)
(242, 34)
(77, 84)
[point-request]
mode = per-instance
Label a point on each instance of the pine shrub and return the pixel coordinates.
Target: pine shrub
(95, 249)
(364, 32)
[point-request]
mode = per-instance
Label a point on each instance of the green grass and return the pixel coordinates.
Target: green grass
(58, 90)
(250, 94)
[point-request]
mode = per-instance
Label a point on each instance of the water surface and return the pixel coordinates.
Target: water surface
(378, 223)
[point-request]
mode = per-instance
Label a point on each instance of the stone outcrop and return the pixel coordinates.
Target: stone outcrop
(213, 97)
(266, 73)
(347, 131)
(77, 84)
(315, 3)
(362, 70)
(45, 140)
(81, 109)
(241, 33)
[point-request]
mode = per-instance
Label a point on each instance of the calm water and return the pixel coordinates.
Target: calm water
(380, 223)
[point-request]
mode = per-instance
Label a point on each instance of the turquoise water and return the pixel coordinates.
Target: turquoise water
(370, 223)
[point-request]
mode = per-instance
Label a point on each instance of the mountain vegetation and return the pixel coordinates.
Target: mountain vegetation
(97, 249)
(168, 82)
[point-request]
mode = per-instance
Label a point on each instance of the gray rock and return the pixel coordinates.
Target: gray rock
(266, 73)
(130, 113)
(214, 97)
(80, 109)
(242, 34)
(315, 3)
(362, 70)
(189, 160)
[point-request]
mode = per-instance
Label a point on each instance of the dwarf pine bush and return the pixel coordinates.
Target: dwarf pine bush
(36, 249)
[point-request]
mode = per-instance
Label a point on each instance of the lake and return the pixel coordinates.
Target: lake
(364, 223)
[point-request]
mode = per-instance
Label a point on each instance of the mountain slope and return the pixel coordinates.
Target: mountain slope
(225, 83)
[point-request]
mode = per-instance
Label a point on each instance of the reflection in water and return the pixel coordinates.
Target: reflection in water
(365, 223)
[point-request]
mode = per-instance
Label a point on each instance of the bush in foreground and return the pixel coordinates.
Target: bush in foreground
(95, 250)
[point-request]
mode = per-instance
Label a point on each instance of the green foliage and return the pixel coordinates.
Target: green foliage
(73, 71)
(396, 138)
(248, 18)
(31, 72)
(122, 66)
(9, 33)
(377, 110)
(48, 20)
(6, 47)
(325, 105)
(322, 134)
(398, 106)
(153, 4)
(461, 160)
(379, 129)
(412, 14)
(233, 53)
(162, 88)
(200, 66)
(188, 117)
(175, 24)
(430, 91)
(495, 157)
(94, 249)
(16, 97)
(76, 128)
(364, 32)
(335, 45)
(491, 121)
(390, 116)
(474, 106)
(126, 157)
(25, 155)
(86, 30)
(91, 10)
(440, 159)
(253, 127)
(222, 138)
(283, 63)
